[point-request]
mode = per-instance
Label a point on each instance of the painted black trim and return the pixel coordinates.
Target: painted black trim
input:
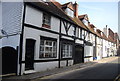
(17, 48)
(67, 27)
(49, 60)
(67, 58)
(48, 38)
(40, 28)
(59, 54)
(65, 41)
(21, 39)
(47, 30)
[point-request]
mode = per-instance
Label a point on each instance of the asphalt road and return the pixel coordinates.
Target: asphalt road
(102, 72)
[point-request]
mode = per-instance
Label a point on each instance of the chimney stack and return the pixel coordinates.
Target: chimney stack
(76, 9)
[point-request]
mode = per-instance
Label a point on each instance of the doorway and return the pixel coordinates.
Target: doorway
(79, 54)
(29, 55)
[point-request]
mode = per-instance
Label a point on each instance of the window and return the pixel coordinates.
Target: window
(48, 49)
(46, 20)
(83, 34)
(69, 12)
(67, 51)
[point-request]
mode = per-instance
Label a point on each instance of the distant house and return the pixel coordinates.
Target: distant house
(111, 48)
(99, 44)
(105, 45)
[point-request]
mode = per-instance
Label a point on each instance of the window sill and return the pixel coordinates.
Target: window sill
(46, 26)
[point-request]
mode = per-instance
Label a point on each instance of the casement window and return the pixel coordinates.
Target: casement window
(66, 51)
(46, 20)
(48, 48)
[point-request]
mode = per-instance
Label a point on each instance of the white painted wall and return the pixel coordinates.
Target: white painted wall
(12, 13)
(99, 48)
(55, 24)
(33, 16)
(79, 41)
(88, 51)
(71, 31)
(63, 28)
(43, 66)
(63, 63)
(105, 48)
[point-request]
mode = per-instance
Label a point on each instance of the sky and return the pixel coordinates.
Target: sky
(100, 12)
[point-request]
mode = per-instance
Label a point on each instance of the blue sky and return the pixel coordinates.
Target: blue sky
(100, 13)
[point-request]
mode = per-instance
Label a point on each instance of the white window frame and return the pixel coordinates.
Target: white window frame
(51, 54)
(67, 52)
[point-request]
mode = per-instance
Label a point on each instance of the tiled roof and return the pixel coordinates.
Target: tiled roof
(111, 39)
(91, 28)
(104, 36)
(56, 3)
(79, 22)
(98, 31)
(67, 5)
(81, 17)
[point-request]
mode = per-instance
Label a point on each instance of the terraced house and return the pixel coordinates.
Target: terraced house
(38, 36)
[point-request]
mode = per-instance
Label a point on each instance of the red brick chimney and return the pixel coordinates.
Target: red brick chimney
(76, 9)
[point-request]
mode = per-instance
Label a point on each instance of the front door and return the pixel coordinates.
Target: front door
(29, 55)
(79, 56)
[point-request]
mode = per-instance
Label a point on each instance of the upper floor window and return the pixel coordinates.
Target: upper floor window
(69, 12)
(46, 20)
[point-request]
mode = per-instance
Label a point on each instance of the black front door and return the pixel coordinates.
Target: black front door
(9, 60)
(29, 55)
(79, 56)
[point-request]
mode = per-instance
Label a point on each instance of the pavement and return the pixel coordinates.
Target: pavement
(33, 76)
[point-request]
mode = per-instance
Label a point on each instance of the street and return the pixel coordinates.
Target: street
(100, 71)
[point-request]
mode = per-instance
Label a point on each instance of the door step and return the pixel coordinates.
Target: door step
(29, 71)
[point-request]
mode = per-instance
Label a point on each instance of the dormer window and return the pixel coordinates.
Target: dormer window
(85, 22)
(69, 12)
(46, 20)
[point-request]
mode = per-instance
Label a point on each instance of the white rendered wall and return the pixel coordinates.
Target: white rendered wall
(33, 16)
(63, 63)
(99, 48)
(104, 48)
(43, 66)
(88, 51)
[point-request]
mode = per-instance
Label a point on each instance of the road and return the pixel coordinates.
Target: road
(101, 71)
